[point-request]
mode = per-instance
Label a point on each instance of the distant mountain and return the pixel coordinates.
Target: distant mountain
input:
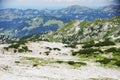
(77, 12)
(22, 26)
(70, 13)
(83, 31)
(20, 23)
(111, 10)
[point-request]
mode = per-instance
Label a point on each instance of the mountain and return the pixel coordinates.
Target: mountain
(111, 10)
(83, 31)
(77, 12)
(20, 23)
(21, 26)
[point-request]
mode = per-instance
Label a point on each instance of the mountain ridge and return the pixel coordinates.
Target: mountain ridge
(30, 20)
(83, 31)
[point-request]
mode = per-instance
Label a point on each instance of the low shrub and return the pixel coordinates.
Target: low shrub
(117, 63)
(59, 62)
(56, 49)
(49, 48)
(25, 48)
(76, 64)
(87, 51)
(15, 50)
(6, 48)
(104, 61)
(113, 49)
(71, 62)
(89, 44)
(15, 46)
(17, 61)
(21, 50)
(104, 43)
(71, 45)
(34, 65)
(47, 53)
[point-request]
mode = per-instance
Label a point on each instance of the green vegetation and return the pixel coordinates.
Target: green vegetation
(117, 63)
(99, 44)
(89, 30)
(104, 61)
(105, 43)
(17, 62)
(71, 45)
(107, 57)
(109, 62)
(57, 49)
(76, 63)
(19, 46)
(114, 50)
(47, 53)
(83, 24)
(105, 78)
(38, 61)
(88, 44)
(87, 51)
(53, 49)
(35, 22)
(73, 63)
(5, 67)
(51, 22)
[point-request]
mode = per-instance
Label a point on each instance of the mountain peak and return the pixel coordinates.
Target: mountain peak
(77, 7)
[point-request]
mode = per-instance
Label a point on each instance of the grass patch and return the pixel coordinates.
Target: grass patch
(38, 61)
(17, 61)
(101, 79)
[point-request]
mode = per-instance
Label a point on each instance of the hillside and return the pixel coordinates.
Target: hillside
(83, 31)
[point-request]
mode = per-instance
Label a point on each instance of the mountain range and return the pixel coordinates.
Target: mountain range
(20, 23)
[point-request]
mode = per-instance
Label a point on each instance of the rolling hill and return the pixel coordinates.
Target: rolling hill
(83, 31)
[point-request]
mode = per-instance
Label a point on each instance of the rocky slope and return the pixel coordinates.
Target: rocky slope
(57, 65)
(83, 31)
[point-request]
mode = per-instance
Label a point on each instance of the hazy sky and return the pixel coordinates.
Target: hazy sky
(53, 4)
